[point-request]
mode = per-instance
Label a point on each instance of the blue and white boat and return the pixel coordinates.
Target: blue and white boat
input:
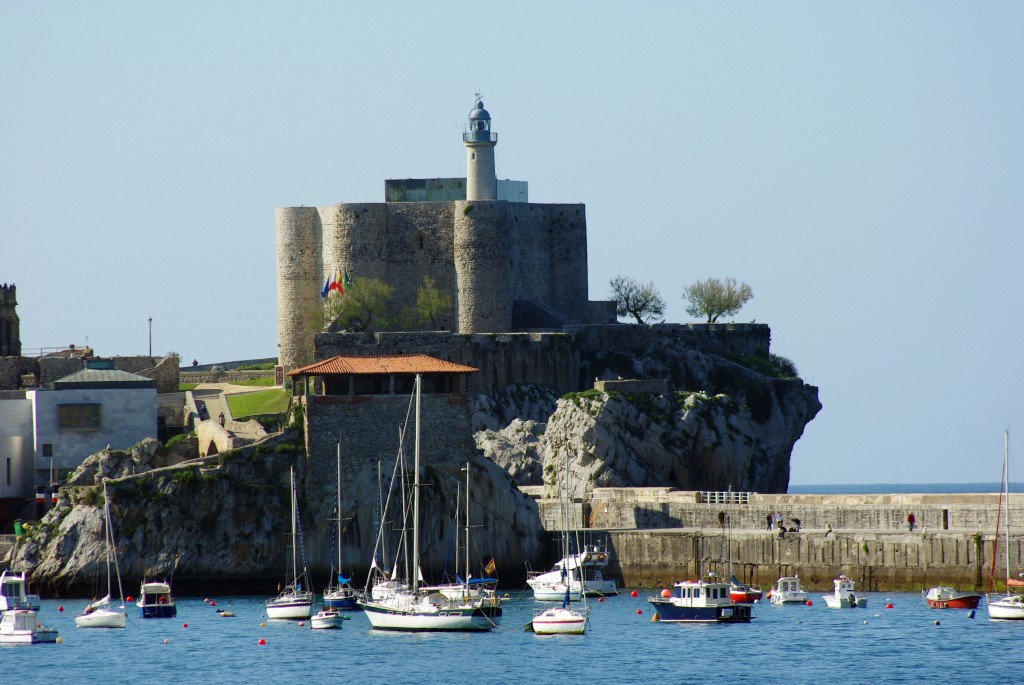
(155, 600)
(699, 601)
(339, 594)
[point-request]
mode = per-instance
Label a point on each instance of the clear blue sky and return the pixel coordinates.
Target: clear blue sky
(858, 164)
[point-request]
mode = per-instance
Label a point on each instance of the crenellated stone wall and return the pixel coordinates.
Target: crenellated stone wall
(163, 370)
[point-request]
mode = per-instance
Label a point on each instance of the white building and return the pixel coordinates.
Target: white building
(54, 429)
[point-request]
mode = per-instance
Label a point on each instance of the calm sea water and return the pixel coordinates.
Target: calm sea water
(899, 488)
(791, 645)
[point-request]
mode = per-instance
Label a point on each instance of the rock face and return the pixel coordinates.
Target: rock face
(222, 524)
(736, 429)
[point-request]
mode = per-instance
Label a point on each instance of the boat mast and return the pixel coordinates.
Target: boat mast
(466, 569)
(416, 497)
(295, 547)
(1006, 502)
(337, 530)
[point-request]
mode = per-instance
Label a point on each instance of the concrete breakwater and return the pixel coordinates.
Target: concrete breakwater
(659, 536)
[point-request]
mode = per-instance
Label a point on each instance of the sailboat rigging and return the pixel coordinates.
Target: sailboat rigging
(106, 613)
(1010, 607)
(339, 594)
(296, 601)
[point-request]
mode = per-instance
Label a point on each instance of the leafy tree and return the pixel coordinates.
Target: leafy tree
(432, 305)
(365, 300)
(643, 302)
(714, 298)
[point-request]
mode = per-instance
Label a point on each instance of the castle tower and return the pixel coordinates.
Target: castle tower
(481, 181)
(10, 334)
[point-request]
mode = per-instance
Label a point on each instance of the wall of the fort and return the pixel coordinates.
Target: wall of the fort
(548, 359)
(484, 253)
(736, 339)
(163, 370)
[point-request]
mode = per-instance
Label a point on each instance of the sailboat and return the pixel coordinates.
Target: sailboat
(106, 613)
(417, 608)
(1010, 607)
(296, 601)
(340, 596)
(563, 620)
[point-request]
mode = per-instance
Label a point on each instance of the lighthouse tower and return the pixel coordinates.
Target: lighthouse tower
(481, 182)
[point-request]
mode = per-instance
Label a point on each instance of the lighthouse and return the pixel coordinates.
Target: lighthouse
(481, 182)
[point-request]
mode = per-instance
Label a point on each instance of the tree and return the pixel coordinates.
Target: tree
(714, 298)
(432, 305)
(642, 302)
(364, 300)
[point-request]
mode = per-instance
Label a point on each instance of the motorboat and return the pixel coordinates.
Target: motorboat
(582, 572)
(942, 597)
(843, 596)
(14, 592)
(787, 590)
(325, 618)
(155, 600)
(19, 626)
(744, 594)
(561, 620)
(699, 601)
(1007, 608)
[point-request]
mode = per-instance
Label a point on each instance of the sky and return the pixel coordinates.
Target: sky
(859, 165)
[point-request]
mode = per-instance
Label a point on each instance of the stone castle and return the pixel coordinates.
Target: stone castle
(509, 266)
(10, 334)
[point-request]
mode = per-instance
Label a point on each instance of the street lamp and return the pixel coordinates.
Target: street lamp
(151, 336)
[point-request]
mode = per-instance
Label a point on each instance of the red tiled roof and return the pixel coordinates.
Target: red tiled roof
(398, 363)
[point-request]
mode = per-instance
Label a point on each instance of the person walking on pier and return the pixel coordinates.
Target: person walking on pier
(771, 519)
(911, 520)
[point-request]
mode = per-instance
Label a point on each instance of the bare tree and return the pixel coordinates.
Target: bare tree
(643, 302)
(714, 298)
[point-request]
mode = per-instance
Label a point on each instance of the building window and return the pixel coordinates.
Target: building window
(72, 416)
(47, 449)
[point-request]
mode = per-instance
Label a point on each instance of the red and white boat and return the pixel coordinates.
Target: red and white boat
(744, 594)
(942, 597)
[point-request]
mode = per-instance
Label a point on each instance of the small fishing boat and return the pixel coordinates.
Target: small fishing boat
(843, 597)
(19, 627)
(699, 601)
(744, 594)
(325, 618)
(14, 592)
(943, 597)
(155, 600)
(787, 590)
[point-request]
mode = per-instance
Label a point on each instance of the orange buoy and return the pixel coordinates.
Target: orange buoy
(600, 599)
(889, 605)
(809, 603)
(213, 603)
(129, 598)
(262, 641)
(639, 612)
(633, 593)
(666, 593)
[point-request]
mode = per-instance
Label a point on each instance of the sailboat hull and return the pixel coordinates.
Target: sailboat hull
(293, 607)
(445, 619)
(102, 618)
(559, 621)
(1007, 608)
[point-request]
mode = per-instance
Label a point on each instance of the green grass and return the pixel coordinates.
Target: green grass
(256, 382)
(258, 403)
(185, 387)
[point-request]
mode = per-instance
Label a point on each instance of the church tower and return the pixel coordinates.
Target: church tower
(481, 181)
(10, 333)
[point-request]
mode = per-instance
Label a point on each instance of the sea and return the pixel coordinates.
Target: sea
(785, 645)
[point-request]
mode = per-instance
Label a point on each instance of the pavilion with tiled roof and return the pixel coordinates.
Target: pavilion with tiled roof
(386, 374)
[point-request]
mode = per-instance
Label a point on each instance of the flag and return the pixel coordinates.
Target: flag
(347, 283)
(336, 284)
(490, 567)
(326, 289)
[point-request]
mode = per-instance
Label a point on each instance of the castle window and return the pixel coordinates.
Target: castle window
(78, 416)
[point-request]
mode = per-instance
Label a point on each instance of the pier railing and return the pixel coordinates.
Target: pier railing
(727, 497)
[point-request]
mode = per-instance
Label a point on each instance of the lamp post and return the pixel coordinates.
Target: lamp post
(151, 336)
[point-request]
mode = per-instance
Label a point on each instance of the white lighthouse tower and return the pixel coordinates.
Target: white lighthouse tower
(481, 181)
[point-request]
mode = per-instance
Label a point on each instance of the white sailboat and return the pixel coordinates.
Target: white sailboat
(339, 594)
(106, 613)
(417, 608)
(296, 601)
(563, 620)
(1011, 606)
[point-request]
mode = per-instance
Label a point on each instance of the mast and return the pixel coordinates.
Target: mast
(337, 530)
(295, 547)
(416, 497)
(1006, 502)
(466, 569)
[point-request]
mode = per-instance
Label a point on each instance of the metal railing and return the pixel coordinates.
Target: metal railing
(727, 497)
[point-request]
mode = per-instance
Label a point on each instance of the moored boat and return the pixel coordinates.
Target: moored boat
(581, 572)
(155, 600)
(1011, 606)
(19, 626)
(787, 590)
(295, 601)
(325, 618)
(744, 594)
(339, 594)
(14, 592)
(106, 613)
(699, 601)
(942, 597)
(843, 596)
